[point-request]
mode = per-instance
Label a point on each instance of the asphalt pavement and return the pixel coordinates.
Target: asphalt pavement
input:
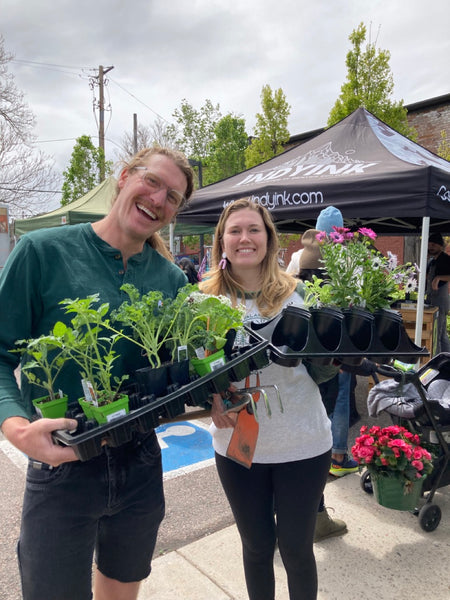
(384, 555)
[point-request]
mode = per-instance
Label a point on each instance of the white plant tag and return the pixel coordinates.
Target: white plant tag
(200, 352)
(216, 364)
(116, 415)
(89, 393)
(182, 353)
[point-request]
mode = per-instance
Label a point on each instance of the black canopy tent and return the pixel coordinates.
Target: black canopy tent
(374, 175)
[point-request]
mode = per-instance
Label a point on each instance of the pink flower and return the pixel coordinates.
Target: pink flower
(366, 453)
(392, 450)
(367, 232)
(321, 236)
(417, 464)
(337, 237)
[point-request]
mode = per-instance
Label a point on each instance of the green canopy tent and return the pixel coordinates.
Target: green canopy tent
(90, 208)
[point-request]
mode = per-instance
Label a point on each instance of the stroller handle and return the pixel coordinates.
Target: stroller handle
(397, 374)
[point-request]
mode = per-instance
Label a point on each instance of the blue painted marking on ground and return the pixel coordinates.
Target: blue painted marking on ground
(183, 444)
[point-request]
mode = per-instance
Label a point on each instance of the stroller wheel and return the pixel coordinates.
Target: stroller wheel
(366, 483)
(429, 517)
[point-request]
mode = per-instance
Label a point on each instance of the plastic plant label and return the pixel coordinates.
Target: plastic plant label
(182, 353)
(200, 352)
(116, 415)
(89, 393)
(216, 364)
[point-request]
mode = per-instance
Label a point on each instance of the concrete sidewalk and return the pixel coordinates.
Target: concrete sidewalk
(384, 555)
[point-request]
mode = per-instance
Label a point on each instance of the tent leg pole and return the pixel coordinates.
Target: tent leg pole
(422, 279)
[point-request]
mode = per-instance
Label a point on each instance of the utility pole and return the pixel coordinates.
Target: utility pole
(135, 131)
(101, 122)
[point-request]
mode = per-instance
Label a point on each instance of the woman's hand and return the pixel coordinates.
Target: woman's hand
(220, 419)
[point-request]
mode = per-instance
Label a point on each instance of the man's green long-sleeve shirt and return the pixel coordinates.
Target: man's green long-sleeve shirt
(50, 265)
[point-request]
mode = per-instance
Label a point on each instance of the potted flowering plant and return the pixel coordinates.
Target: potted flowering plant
(396, 462)
(357, 274)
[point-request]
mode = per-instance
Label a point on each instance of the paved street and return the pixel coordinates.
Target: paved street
(196, 508)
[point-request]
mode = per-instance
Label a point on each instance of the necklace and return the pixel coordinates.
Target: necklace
(250, 295)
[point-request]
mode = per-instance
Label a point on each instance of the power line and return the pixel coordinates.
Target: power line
(140, 101)
(33, 62)
(52, 67)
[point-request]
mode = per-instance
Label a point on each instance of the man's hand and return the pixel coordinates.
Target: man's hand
(35, 439)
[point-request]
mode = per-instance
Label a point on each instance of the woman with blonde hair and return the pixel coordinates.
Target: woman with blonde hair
(277, 498)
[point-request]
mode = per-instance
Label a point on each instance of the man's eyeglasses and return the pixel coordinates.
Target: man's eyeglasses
(155, 184)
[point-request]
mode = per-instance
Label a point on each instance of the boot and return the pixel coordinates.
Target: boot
(327, 527)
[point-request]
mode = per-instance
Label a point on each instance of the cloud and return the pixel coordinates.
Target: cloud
(163, 52)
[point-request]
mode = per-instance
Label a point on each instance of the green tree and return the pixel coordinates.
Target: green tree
(227, 149)
(84, 170)
(370, 84)
(444, 146)
(271, 129)
(194, 129)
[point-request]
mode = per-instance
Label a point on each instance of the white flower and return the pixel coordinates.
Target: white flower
(392, 260)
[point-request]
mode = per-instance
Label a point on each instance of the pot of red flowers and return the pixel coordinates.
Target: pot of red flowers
(396, 462)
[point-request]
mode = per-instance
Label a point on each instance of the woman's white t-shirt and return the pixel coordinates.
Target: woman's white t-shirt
(303, 429)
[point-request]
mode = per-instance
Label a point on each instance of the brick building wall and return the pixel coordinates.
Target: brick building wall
(430, 118)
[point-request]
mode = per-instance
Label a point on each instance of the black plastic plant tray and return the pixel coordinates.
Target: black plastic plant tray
(88, 444)
(293, 335)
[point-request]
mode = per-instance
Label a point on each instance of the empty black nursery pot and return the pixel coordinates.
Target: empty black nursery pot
(292, 330)
(327, 323)
(359, 324)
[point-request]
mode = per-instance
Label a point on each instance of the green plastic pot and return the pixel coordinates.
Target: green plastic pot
(107, 412)
(51, 409)
(203, 366)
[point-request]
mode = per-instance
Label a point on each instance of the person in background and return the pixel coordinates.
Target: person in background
(188, 268)
(309, 266)
(328, 217)
(277, 497)
(341, 463)
(113, 503)
(438, 276)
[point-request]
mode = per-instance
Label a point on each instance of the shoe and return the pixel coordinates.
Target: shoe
(344, 467)
(327, 527)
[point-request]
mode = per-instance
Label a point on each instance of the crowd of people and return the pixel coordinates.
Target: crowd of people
(110, 507)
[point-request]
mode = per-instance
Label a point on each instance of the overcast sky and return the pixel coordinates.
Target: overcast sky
(223, 50)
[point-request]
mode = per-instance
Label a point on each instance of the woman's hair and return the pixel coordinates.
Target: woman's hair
(276, 285)
(155, 240)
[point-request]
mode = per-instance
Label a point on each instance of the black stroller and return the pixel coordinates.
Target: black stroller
(419, 401)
